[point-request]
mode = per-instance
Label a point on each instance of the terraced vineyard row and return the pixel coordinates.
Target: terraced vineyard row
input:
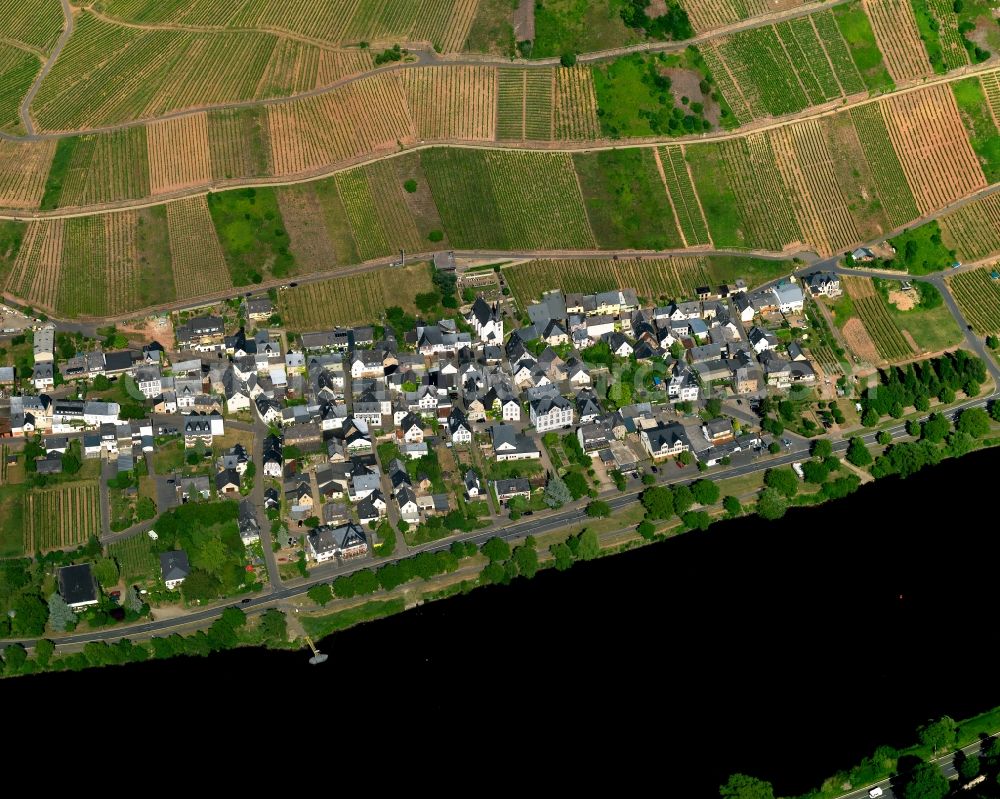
(99, 168)
(575, 105)
(973, 231)
(934, 151)
(874, 315)
(196, 257)
(661, 279)
(682, 193)
(710, 14)
(978, 295)
(23, 171)
(35, 275)
(524, 99)
(356, 299)
(445, 23)
(135, 557)
(17, 72)
(56, 518)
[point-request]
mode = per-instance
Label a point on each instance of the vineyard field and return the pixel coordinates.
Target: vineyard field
(239, 143)
(507, 200)
(887, 173)
(927, 134)
(980, 125)
(575, 105)
(108, 73)
(35, 272)
(196, 258)
(626, 200)
(17, 73)
(365, 118)
(354, 299)
(681, 189)
(453, 102)
(99, 168)
(875, 316)
(808, 171)
(179, 156)
(978, 295)
(317, 225)
(136, 559)
(706, 15)
(898, 38)
(525, 108)
(24, 169)
(99, 271)
(444, 23)
(36, 23)
(62, 517)
(973, 230)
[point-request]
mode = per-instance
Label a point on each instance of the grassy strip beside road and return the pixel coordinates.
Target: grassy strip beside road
(321, 626)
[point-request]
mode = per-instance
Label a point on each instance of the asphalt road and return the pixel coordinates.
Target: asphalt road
(946, 762)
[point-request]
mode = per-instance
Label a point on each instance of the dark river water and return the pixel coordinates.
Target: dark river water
(785, 650)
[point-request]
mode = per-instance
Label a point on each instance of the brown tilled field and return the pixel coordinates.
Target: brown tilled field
(453, 102)
(179, 154)
(196, 257)
(860, 342)
(897, 36)
(933, 149)
(23, 169)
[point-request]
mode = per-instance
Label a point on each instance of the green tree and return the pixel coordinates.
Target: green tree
(199, 585)
(658, 502)
(782, 480)
(974, 421)
(925, 781)
(968, 767)
(938, 735)
(106, 572)
(589, 546)
(732, 506)
(61, 615)
(685, 458)
(884, 438)
(822, 448)
(774, 448)
(598, 509)
(132, 601)
(705, 492)
(320, 594)
(697, 520)
(563, 556)
(995, 411)
(771, 504)
(683, 500)
(526, 558)
(496, 549)
(646, 529)
(14, 658)
(44, 650)
(557, 493)
(713, 407)
(858, 454)
(568, 59)
(273, 625)
(30, 615)
(870, 417)
(740, 786)
(234, 617)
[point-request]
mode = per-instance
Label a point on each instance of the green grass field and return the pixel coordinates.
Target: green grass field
(156, 276)
(320, 626)
(11, 520)
(625, 199)
(635, 98)
(921, 250)
(252, 233)
(11, 236)
(570, 26)
(135, 558)
(979, 124)
(857, 31)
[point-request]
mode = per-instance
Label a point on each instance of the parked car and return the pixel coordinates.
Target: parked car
(875, 792)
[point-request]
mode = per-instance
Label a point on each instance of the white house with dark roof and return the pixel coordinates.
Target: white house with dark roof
(509, 445)
(665, 441)
(458, 427)
(175, 568)
(550, 413)
(788, 297)
(345, 541)
(486, 321)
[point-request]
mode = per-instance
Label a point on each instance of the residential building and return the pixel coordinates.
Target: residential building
(344, 541)
(550, 413)
(788, 297)
(174, 567)
(665, 441)
(77, 586)
(486, 321)
(506, 490)
(43, 345)
(509, 445)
